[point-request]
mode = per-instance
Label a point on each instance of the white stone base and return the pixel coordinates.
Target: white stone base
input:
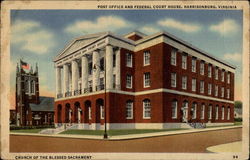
(98, 126)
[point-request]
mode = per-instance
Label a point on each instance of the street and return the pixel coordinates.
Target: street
(191, 142)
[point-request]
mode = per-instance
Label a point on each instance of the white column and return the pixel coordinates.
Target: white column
(109, 67)
(58, 81)
(118, 69)
(75, 75)
(84, 73)
(70, 79)
(96, 72)
(65, 78)
(79, 115)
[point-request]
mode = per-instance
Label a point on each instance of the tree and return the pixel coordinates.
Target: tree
(238, 104)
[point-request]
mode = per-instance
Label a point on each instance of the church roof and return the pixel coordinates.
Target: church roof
(46, 104)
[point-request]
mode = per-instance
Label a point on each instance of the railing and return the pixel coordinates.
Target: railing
(88, 90)
(60, 95)
(77, 92)
(100, 87)
(68, 94)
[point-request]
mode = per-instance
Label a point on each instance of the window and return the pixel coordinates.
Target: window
(228, 113)
(210, 70)
(193, 64)
(222, 112)
(201, 86)
(32, 87)
(202, 68)
(216, 90)
(193, 85)
(209, 89)
(129, 60)
(228, 78)
(146, 58)
(228, 93)
(174, 109)
(102, 64)
(128, 81)
(90, 84)
(202, 111)
(173, 57)
(210, 112)
(102, 81)
(173, 79)
(184, 82)
(102, 112)
(146, 109)
(194, 110)
(26, 86)
(129, 110)
(146, 79)
(222, 92)
(222, 76)
(89, 108)
(184, 61)
(216, 73)
(217, 112)
(90, 68)
(114, 59)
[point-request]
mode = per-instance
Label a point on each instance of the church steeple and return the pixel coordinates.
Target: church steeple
(17, 68)
(36, 71)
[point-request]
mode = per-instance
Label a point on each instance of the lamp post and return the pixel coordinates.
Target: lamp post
(105, 135)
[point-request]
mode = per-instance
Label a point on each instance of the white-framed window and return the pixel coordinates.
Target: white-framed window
(194, 110)
(32, 87)
(209, 71)
(228, 93)
(174, 109)
(146, 109)
(228, 113)
(193, 85)
(222, 112)
(129, 61)
(173, 56)
(222, 75)
(216, 90)
(102, 112)
(173, 79)
(222, 92)
(184, 82)
(228, 77)
(201, 86)
(193, 64)
(202, 68)
(146, 58)
(89, 109)
(217, 112)
(129, 109)
(210, 108)
(128, 81)
(184, 61)
(209, 89)
(27, 86)
(216, 73)
(146, 79)
(202, 111)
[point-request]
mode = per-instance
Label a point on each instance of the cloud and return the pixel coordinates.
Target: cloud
(149, 30)
(236, 57)
(102, 23)
(185, 27)
(31, 36)
(224, 27)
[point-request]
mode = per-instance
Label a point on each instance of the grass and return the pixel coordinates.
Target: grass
(117, 132)
(27, 130)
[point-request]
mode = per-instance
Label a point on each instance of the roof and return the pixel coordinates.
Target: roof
(46, 104)
(135, 33)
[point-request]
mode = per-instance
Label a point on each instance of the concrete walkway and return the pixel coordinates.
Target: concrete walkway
(129, 136)
(228, 147)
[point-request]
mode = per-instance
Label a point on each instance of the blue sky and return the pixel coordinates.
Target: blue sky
(39, 35)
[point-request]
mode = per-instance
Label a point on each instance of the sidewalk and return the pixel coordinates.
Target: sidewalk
(228, 147)
(130, 136)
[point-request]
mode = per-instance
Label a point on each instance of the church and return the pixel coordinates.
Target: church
(138, 81)
(31, 109)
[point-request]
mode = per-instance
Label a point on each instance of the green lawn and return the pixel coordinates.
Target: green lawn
(26, 130)
(117, 132)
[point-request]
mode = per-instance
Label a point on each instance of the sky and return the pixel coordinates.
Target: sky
(37, 36)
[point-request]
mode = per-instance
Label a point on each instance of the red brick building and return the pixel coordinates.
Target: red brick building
(152, 81)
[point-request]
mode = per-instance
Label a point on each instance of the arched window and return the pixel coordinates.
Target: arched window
(228, 113)
(194, 110)
(89, 109)
(203, 111)
(174, 109)
(146, 109)
(210, 107)
(129, 109)
(222, 112)
(217, 112)
(26, 85)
